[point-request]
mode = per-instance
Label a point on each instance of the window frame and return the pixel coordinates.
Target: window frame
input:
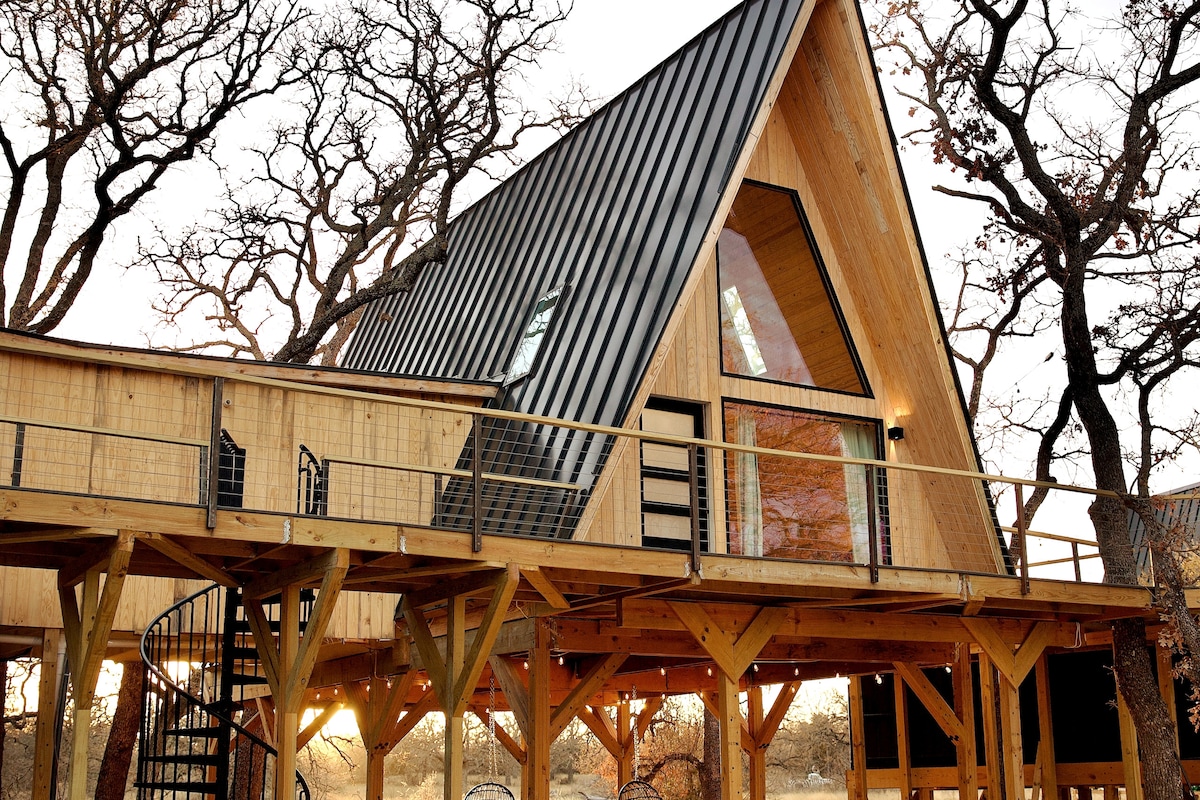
(880, 490)
(560, 292)
(827, 285)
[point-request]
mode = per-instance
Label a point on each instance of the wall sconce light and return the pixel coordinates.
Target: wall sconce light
(895, 433)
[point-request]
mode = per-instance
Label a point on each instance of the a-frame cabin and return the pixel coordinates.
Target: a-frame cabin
(677, 409)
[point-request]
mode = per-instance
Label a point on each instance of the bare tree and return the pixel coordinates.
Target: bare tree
(1072, 135)
(405, 101)
(101, 100)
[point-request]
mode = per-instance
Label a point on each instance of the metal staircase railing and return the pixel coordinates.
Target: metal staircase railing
(203, 692)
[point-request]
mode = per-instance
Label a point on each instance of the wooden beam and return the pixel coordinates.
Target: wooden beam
(95, 558)
(55, 534)
(318, 722)
(413, 715)
(991, 724)
(545, 587)
(301, 574)
(505, 739)
(48, 713)
(385, 707)
(730, 718)
(733, 657)
(287, 708)
(967, 756)
(1011, 748)
(460, 587)
(710, 702)
(858, 742)
(337, 562)
(452, 754)
(264, 640)
(758, 755)
(588, 685)
(418, 629)
(1130, 760)
(932, 699)
(540, 738)
(184, 557)
(515, 691)
(601, 725)
(770, 724)
(505, 586)
(1031, 650)
(903, 757)
(1047, 760)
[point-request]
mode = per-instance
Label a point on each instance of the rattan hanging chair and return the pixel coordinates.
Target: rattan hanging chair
(489, 790)
(638, 790)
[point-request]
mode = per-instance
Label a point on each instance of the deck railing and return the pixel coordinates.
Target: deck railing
(106, 429)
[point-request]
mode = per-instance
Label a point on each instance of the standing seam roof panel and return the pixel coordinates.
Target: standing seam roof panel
(618, 210)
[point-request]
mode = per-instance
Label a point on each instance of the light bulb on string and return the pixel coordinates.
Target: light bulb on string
(878, 678)
(561, 661)
(662, 671)
(756, 667)
(710, 672)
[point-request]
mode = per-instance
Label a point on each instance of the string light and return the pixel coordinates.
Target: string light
(662, 671)
(948, 670)
(796, 672)
(525, 663)
(710, 672)
(878, 678)
(561, 661)
(318, 695)
(756, 667)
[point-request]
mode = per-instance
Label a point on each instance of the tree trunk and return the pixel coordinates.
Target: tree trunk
(710, 766)
(1162, 774)
(3, 724)
(127, 719)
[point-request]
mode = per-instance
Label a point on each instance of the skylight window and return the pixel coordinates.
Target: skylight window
(535, 332)
(741, 326)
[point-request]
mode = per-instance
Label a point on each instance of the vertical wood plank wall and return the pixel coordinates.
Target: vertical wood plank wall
(29, 600)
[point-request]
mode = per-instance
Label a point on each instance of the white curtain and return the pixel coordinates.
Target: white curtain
(749, 494)
(858, 441)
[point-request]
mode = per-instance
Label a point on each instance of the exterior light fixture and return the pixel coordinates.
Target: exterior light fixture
(895, 433)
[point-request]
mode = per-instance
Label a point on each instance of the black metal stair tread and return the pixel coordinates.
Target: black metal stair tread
(238, 679)
(210, 732)
(190, 787)
(185, 759)
(243, 653)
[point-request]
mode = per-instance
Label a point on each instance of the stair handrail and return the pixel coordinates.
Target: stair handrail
(213, 709)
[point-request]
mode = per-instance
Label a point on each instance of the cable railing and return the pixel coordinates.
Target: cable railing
(273, 446)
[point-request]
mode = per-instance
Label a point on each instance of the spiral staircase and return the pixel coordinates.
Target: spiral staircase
(207, 703)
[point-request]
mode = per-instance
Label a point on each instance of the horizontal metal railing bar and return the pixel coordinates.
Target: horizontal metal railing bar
(1054, 536)
(114, 432)
(452, 472)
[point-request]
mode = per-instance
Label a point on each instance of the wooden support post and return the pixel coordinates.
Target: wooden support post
(1129, 752)
(48, 712)
(964, 708)
(625, 739)
(287, 714)
(452, 761)
(857, 790)
(991, 747)
(88, 620)
(288, 659)
(730, 718)
(902, 754)
(1049, 764)
(758, 754)
(540, 739)
(1166, 687)
(1011, 749)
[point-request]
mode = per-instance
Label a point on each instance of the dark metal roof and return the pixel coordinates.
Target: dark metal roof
(616, 212)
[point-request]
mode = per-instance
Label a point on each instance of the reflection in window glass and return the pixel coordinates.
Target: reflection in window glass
(794, 508)
(741, 326)
(531, 342)
(778, 320)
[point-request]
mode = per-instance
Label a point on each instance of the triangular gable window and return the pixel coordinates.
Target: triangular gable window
(779, 320)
